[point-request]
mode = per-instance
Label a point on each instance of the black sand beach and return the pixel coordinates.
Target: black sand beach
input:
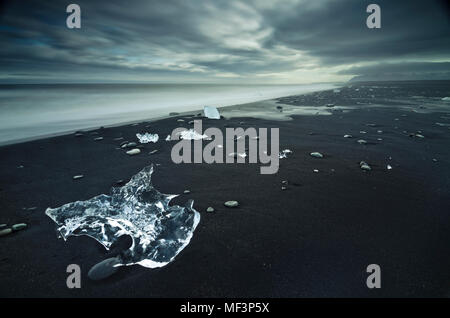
(314, 239)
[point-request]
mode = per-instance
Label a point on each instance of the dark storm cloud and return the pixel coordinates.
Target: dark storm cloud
(201, 40)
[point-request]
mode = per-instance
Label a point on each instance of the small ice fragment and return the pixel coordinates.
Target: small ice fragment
(153, 152)
(98, 138)
(159, 231)
(133, 152)
(389, 167)
(365, 166)
(363, 132)
(168, 138)
(316, 155)
(283, 154)
(420, 136)
(348, 136)
(362, 142)
(336, 90)
(210, 209)
(379, 131)
(446, 99)
(191, 134)
(316, 170)
(211, 112)
(77, 177)
(147, 137)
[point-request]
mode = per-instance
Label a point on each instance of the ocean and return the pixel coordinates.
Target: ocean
(29, 111)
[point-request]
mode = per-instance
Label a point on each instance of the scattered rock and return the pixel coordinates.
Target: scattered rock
(104, 269)
(186, 191)
(5, 232)
(98, 138)
(210, 209)
(133, 152)
(153, 152)
(18, 226)
(128, 144)
(434, 160)
(284, 182)
(362, 142)
(231, 204)
(389, 167)
(316, 170)
(78, 177)
(316, 155)
(365, 166)
(20, 167)
(348, 136)
(283, 188)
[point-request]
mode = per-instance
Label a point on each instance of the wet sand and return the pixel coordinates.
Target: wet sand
(314, 239)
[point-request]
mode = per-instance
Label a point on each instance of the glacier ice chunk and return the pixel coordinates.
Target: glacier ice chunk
(191, 134)
(211, 112)
(158, 230)
(284, 153)
(147, 137)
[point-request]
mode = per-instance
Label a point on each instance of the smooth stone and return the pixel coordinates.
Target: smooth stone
(104, 269)
(210, 209)
(18, 226)
(5, 232)
(231, 204)
(365, 166)
(78, 177)
(133, 152)
(316, 155)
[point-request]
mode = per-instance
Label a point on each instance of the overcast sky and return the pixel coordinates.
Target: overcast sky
(251, 41)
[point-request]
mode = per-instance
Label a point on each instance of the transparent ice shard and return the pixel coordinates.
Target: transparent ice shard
(147, 137)
(211, 112)
(191, 134)
(283, 153)
(158, 231)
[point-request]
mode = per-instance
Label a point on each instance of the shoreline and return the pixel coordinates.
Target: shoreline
(123, 123)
